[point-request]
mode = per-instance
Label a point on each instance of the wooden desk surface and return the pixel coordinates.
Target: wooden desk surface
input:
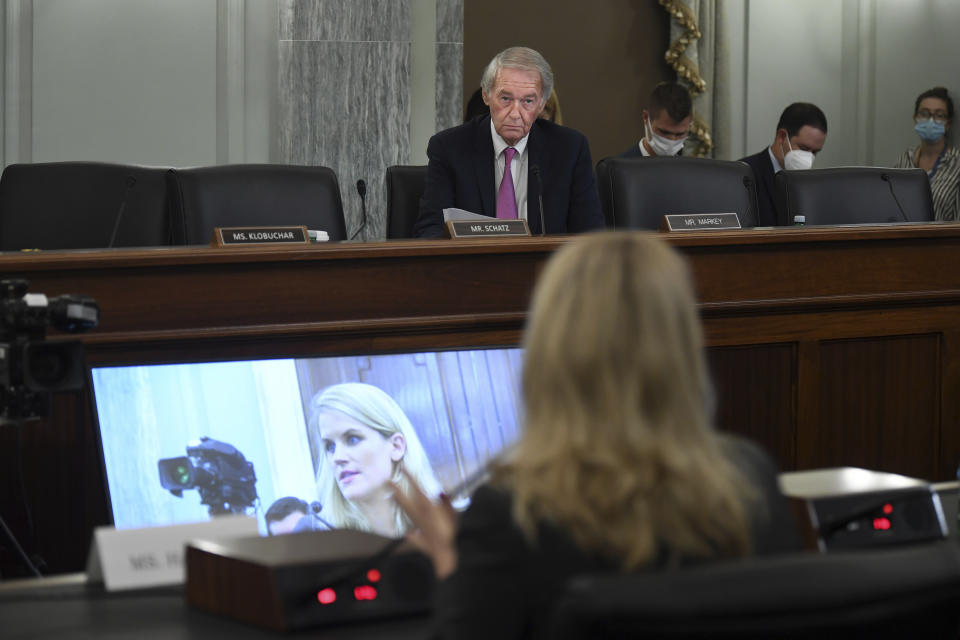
(830, 346)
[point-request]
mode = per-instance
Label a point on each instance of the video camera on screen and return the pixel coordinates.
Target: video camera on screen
(221, 474)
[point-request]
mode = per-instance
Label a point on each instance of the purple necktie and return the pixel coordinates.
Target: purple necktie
(506, 198)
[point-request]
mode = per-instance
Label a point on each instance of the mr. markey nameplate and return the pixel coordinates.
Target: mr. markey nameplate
(235, 236)
(700, 221)
(480, 229)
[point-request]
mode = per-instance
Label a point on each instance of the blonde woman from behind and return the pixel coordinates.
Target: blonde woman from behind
(619, 468)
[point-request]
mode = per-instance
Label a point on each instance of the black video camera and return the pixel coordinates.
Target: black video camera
(225, 479)
(32, 369)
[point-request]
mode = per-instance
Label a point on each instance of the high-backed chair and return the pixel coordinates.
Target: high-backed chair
(635, 193)
(404, 190)
(204, 198)
(855, 195)
(77, 205)
(901, 592)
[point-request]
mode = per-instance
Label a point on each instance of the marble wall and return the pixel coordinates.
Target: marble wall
(344, 90)
(449, 63)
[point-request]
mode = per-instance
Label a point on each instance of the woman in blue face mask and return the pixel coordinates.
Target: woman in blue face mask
(932, 115)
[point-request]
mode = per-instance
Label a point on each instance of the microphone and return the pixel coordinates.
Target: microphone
(886, 178)
(362, 191)
(316, 508)
(829, 527)
(130, 182)
(535, 170)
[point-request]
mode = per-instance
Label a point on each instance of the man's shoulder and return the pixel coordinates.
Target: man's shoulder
(760, 163)
(759, 159)
(465, 132)
(547, 130)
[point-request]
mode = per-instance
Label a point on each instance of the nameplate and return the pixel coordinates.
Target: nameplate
(239, 236)
(154, 556)
(481, 229)
(700, 222)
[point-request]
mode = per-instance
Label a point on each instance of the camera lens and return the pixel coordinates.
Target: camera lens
(182, 474)
(51, 366)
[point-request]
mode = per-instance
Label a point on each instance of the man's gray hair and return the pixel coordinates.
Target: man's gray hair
(522, 58)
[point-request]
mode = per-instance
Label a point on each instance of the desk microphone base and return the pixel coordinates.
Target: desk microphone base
(308, 579)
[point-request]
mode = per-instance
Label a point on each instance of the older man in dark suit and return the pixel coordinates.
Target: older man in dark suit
(499, 165)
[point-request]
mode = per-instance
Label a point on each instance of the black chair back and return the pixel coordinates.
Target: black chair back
(404, 190)
(905, 592)
(855, 195)
(77, 205)
(244, 195)
(636, 193)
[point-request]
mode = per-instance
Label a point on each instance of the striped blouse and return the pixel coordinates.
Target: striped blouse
(945, 185)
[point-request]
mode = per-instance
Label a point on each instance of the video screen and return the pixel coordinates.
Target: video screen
(302, 444)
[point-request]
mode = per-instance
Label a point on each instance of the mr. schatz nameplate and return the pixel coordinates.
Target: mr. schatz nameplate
(700, 221)
(480, 229)
(235, 236)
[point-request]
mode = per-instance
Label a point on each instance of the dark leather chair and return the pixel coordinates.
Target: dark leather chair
(855, 195)
(903, 592)
(77, 205)
(635, 193)
(404, 190)
(204, 198)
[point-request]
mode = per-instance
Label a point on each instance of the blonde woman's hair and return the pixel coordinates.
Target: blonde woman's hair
(618, 448)
(374, 408)
(551, 109)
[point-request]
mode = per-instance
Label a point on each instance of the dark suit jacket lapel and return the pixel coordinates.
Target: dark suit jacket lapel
(535, 156)
(483, 165)
(768, 174)
(770, 179)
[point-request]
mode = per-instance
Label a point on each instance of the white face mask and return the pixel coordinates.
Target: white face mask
(660, 145)
(797, 158)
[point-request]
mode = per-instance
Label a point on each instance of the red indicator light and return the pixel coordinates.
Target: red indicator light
(373, 575)
(881, 524)
(326, 596)
(888, 508)
(364, 592)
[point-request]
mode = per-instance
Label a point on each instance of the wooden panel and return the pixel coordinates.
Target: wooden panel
(879, 406)
(949, 444)
(755, 389)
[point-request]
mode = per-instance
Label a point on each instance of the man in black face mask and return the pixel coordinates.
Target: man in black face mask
(666, 122)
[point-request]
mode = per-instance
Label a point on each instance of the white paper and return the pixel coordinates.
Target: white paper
(461, 214)
(154, 556)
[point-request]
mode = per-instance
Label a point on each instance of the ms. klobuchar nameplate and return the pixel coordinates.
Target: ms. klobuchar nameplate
(240, 236)
(699, 221)
(480, 229)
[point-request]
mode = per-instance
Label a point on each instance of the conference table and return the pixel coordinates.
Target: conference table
(69, 606)
(829, 346)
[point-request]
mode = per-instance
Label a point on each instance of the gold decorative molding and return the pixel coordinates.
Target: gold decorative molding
(686, 69)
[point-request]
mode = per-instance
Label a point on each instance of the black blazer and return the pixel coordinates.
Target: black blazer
(769, 212)
(506, 587)
(460, 174)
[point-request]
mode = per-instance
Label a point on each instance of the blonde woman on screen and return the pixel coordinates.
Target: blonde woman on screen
(619, 468)
(366, 443)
